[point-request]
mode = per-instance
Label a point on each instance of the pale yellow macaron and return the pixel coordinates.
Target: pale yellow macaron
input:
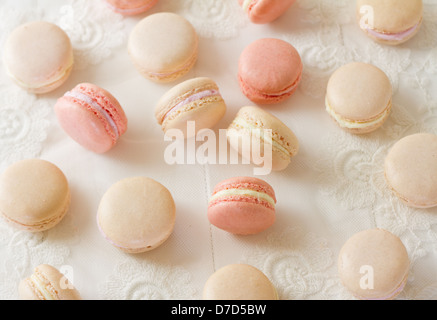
(239, 282)
(390, 22)
(359, 97)
(47, 283)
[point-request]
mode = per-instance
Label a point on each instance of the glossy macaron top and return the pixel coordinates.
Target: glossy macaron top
(163, 46)
(391, 16)
(34, 195)
(38, 56)
(239, 282)
(373, 264)
(136, 214)
(359, 92)
(92, 116)
(269, 70)
(411, 170)
(197, 99)
(265, 11)
(47, 283)
(131, 7)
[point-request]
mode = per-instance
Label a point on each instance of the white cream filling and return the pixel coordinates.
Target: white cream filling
(350, 124)
(40, 286)
(246, 4)
(243, 192)
(241, 122)
(83, 97)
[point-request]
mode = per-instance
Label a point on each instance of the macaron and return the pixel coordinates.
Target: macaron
(92, 117)
(197, 100)
(47, 283)
(254, 125)
(163, 46)
(265, 11)
(34, 195)
(239, 282)
(136, 214)
(130, 7)
(390, 22)
(373, 265)
(242, 205)
(269, 70)
(411, 170)
(38, 56)
(359, 97)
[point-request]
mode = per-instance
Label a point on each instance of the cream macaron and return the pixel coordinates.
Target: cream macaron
(136, 214)
(239, 282)
(253, 125)
(411, 170)
(359, 97)
(34, 195)
(390, 22)
(38, 56)
(373, 265)
(163, 46)
(198, 100)
(47, 283)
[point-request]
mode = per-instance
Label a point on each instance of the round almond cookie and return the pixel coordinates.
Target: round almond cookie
(359, 97)
(411, 170)
(198, 100)
(163, 46)
(390, 22)
(265, 11)
(373, 265)
(34, 195)
(47, 283)
(130, 7)
(38, 56)
(269, 71)
(239, 282)
(136, 214)
(242, 205)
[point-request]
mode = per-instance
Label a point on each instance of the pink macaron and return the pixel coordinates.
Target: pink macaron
(92, 117)
(130, 7)
(269, 71)
(265, 11)
(242, 205)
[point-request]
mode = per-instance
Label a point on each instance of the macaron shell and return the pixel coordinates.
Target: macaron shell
(60, 284)
(359, 92)
(137, 214)
(411, 170)
(34, 195)
(39, 56)
(163, 46)
(265, 11)
(131, 7)
(269, 67)
(393, 16)
(87, 127)
(239, 282)
(384, 253)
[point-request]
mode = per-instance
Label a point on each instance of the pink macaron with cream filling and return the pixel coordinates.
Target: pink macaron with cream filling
(92, 117)
(265, 11)
(130, 7)
(242, 205)
(269, 71)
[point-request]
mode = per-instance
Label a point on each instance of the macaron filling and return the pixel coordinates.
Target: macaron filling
(355, 124)
(230, 193)
(197, 96)
(42, 286)
(393, 36)
(240, 122)
(96, 107)
(247, 4)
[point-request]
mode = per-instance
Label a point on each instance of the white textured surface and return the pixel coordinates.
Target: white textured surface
(332, 189)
